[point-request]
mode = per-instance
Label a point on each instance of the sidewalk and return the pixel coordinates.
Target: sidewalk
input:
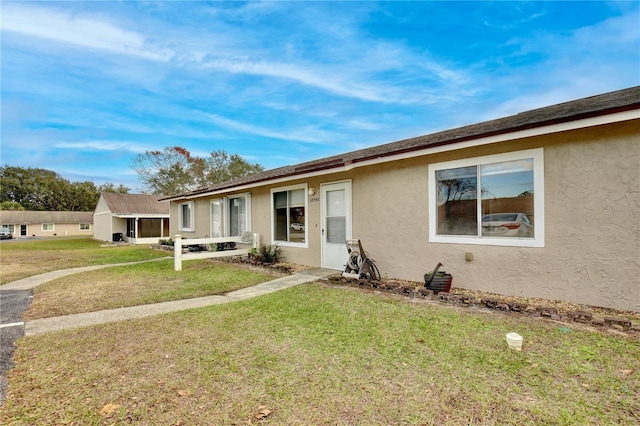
(45, 325)
(34, 281)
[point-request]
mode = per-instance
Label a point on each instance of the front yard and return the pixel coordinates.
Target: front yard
(20, 259)
(310, 355)
(316, 354)
(138, 284)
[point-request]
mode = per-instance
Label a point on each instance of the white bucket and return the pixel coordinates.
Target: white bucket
(514, 340)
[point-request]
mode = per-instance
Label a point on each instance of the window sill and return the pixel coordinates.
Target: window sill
(290, 244)
(501, 242)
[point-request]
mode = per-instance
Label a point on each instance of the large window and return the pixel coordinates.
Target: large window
(496, 199)
(231, 216)
(47, 227)
(289, 206)
(238, 208)
(185, 216)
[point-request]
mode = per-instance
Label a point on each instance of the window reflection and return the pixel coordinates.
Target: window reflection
(506, 193)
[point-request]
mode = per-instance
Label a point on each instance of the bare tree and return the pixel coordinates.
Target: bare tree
(174, 170)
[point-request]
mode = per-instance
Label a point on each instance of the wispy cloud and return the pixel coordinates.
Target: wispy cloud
(63, 27)
(356, 78)
(104, 145)
(306, 134)
(89, 84)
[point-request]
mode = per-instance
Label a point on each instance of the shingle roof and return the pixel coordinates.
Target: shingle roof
(608, 103)
(135, 203)
(24, 217)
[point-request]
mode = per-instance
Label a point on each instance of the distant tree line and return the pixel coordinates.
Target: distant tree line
(40, 189)
(170, 171)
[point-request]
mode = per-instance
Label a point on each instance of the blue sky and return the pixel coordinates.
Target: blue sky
(88, 85)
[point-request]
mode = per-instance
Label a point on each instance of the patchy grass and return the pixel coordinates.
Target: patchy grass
(138, 284)
(21, 259)
(324, 355)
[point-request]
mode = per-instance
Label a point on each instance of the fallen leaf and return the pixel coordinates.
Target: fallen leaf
(626, 372)
(262, 413)
(184, 393)
(108, 410)
(584, 385)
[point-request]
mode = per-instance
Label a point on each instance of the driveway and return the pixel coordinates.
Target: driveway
(12, 304)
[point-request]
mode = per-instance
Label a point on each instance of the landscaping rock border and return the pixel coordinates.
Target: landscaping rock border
(506, 304)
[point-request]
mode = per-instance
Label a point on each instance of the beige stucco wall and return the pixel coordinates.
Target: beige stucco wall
(592, 215)
(592, 221)
(59, 230)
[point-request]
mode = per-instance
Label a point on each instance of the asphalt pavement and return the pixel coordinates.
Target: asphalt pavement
(12, 305)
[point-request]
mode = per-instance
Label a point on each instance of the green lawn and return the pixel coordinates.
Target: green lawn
(309, 355)
(20, 259)
(316, 354)
(138, 284)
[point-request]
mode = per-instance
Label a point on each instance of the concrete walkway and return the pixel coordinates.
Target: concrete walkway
(45, 325)
(34, 281)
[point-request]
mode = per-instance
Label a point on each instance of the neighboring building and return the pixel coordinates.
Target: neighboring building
(24, 223)
(135, 218)
(539, 204)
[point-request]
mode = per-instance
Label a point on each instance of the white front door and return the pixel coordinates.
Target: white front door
(336, 223)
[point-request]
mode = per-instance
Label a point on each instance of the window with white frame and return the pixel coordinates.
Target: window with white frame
(288, 211)
(238, 214)
(47, 227)
(492, 200)
(85, 227)
(186, 216)
(231, 216)
(217, 229)
(11, 227)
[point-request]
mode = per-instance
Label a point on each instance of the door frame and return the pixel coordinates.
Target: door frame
(328, 186)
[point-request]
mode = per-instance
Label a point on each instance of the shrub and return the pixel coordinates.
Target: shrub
(270, 253)
(168, 242)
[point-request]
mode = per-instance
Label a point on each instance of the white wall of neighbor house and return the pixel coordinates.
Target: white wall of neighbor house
(102, 227)
(591, 246)
(102, 221)
(118, 226)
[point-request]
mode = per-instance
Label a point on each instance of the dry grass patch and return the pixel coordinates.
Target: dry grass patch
(320, 355)
(138, 284)
(21, 259)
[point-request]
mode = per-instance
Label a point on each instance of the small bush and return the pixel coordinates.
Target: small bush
(270, 253)
(168, 242)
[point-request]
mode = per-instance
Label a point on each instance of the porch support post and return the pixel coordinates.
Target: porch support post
(177, 252)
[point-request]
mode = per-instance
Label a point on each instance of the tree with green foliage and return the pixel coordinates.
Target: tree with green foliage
(110, 187)
(45, 190)
(174, 170)
(10, 205)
